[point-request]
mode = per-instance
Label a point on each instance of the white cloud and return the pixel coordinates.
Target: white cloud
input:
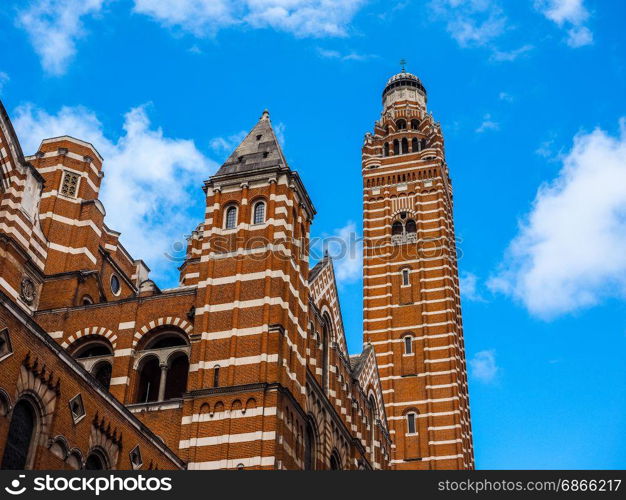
(54, 26)
(471, 22)
(510, 55)
(487, 124)
(506, 97)
(568, 13)
(150, 180)
(227, 144)
(483, 366)
(4, 79)
(302, 18)
(348, 56)
(569, 252)
(468, 283)
(345, 247)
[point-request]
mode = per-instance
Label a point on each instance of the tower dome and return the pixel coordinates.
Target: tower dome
(404, 86)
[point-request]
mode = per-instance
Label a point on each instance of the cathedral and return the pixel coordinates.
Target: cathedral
(244, 364)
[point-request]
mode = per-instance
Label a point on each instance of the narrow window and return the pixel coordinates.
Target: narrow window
(396, 147)
(411, 227)
(405, 277)
(410, 423)
(397, 228)
(415, 124)
(405, 146)
(401, 124)
(216, 376)
(386, 149)
(231, 217)
(415, 145)
(102, 373)
(69, 184)
(259, 213)
(408, 345)
(21, 431)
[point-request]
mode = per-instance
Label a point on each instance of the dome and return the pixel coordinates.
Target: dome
(403, 79)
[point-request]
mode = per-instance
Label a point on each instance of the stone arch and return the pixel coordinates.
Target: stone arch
(93, 330)
(59, 447)
(173, 321)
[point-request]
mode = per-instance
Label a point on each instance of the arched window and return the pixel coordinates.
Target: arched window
(411, 227)
(411, 427)
(169, 339)
(401, 124)
(408, 344)
(309, 447)
(415, 145)
(149, 380)
(405, 146)
(335, 461)
(397, 228)
(259, 213)
(177, 372)
(20, 436)
(216, 376)
(396, 147)
(92, 349)
(102, 373)
(95, 461)
(422, 144)
(230, 220)
(386, 149)
(86, 300)
(415, 124)
(406, 279)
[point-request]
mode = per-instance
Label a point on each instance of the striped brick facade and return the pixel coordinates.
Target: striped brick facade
(412, 312)
(245, 363)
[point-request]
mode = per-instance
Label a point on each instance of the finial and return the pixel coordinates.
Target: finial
(403, 64)
(265, 115)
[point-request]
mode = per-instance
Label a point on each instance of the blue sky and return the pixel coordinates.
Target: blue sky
(531, 98)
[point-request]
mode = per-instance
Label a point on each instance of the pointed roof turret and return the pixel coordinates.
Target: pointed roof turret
(259, 150)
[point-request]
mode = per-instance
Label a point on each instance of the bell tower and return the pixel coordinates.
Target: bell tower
(412, 310)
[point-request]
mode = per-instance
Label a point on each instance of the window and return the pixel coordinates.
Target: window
(415, 124)
(102, 373)
(408, 345)
(115, 285)
(405, 277)
(401, 124)
(5, 344)
(20, 436)
(77, 408)
(396, 147)
(216, 376)
(231, 218)
(177, 373)
(405, 146)
(386, 149)
(95, 461)
(335, 461)
(325, 353)
(309, 447)
(69, 185)
(415, 145)
(135, 457)
(259, 213)
(397, 228)
(86, 300)
(149, 380)
(411, 227)
(410, 423)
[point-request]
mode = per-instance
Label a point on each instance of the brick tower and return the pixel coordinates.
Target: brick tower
(412, 311)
